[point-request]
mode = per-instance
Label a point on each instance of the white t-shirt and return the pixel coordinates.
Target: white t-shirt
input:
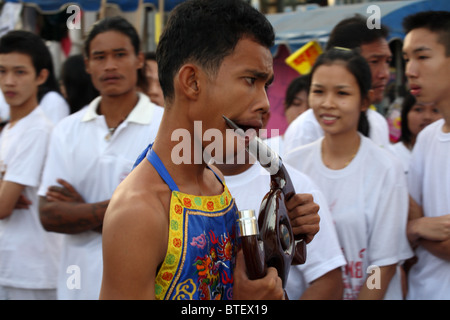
(83, 153)
(29, 255)
(368, 200)
(402, 153)
(306, 129)
(323, 252)
(54, 106)
(4, 108)
(429, 185)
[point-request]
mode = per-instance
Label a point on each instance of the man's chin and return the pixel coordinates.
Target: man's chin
(378, 97)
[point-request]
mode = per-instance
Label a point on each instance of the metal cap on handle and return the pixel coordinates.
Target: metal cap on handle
(247, 222)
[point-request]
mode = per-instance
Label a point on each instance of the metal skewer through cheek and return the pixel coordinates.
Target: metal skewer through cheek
(274, 224)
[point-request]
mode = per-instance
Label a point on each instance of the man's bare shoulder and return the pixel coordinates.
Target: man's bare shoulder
(140, 202)
(135, 235)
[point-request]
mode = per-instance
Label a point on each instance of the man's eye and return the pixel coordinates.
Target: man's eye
(250, 80)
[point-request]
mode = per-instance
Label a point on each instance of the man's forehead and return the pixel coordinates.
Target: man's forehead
(378, 48)
(17, 59)
(420, 40)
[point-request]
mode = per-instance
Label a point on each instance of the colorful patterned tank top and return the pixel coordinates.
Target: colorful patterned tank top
(202, 244)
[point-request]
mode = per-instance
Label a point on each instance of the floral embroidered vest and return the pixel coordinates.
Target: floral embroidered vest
(202, 244)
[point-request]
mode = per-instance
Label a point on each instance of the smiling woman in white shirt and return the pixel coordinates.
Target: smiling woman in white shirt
(364, 185)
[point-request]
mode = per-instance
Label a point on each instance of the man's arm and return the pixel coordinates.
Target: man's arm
(429, 228)
(10, 193)
(327, 287)
(63, 210)
(135, 233)
(440, 249)
(385, 277)
(71, 217)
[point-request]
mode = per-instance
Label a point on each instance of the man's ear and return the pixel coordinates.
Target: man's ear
(141, 60)
(189, 80)
(42, 76)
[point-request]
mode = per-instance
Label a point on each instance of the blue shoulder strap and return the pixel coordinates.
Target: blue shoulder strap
(159, 166)
(153, 158)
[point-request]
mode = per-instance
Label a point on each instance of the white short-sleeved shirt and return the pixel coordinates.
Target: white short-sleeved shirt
(4, 108)
(83, 152)
(29, 255)
(368, 200)
(429, 185)
(306, 129)
(402, 153)
(54, 106)
(323, 252)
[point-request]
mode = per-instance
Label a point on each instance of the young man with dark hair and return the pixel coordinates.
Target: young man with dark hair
(28, 254)
(170, 229)
(353, 33)
(426, 50)
(92, 151)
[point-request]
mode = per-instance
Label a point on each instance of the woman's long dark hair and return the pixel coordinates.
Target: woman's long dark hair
(78, 83)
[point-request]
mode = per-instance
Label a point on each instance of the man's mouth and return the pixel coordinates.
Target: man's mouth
(10, 94)
(247, 129)
(380, 86)
(110, 78)
(415, 90)
(245, 125)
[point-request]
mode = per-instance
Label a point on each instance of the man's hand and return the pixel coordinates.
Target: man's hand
(304, 215)
(429, 228)
(23, 202)
(64, 193)
(267, 288)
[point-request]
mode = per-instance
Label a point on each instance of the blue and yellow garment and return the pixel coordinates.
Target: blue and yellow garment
(202, 244)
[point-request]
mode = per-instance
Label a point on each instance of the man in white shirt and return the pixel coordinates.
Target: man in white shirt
(352, 33)
(426, 50)
(320, 277)
(92, 151)
(4, 109)
(28, 254)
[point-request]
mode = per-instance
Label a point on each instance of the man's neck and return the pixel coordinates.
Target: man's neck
(233, 169)
(444, 109)
(18, 112)
(188, 170)
(115, 109)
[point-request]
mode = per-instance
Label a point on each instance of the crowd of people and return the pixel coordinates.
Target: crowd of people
(93, 206)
